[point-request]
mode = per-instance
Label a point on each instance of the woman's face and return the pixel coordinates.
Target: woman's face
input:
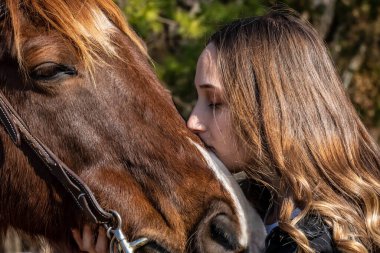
(210, 118)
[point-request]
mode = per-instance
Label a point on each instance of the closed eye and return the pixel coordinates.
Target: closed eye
(51, 71)
(215, 105)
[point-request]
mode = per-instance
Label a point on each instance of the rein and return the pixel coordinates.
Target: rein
(77, 189)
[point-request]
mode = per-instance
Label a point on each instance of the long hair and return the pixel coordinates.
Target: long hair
(306, 141)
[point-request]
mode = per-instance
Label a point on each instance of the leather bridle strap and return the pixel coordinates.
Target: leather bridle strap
(81, 194)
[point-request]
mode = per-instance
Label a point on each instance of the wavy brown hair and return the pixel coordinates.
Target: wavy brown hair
(307, 143)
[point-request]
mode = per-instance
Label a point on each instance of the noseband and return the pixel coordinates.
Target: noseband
(77, 189)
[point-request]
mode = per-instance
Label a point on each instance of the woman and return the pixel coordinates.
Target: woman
(270, 103)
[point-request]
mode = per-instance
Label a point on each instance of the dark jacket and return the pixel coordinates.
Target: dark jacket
(316, 231)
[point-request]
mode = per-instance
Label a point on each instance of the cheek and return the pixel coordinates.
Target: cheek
(223, 131)
(224, 123)
(219, 125)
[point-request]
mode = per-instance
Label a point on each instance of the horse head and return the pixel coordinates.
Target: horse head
(81, 81)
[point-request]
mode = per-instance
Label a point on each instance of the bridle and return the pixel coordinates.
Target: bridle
(77, 189)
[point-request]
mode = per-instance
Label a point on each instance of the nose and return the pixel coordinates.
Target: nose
(194, 123)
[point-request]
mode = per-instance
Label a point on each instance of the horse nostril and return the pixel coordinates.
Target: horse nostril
(222, 232)
(219, 231)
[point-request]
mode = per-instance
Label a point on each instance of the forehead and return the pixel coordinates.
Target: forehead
(207, 71)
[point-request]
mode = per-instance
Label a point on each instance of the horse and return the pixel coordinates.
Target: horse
(82, 82)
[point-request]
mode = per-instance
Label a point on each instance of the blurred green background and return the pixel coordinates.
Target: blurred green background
(176, 31)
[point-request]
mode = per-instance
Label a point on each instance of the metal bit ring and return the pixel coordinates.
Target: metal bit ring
(119, 240)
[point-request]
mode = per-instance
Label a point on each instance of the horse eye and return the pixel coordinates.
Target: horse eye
(50, 71)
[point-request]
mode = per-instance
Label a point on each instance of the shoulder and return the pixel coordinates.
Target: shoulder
(315, 229)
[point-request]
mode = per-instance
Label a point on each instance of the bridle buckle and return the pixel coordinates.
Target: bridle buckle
(119, 243)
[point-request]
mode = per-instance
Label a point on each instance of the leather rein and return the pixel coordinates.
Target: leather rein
(77, 189)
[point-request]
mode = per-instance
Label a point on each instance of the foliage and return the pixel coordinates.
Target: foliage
(176, 32)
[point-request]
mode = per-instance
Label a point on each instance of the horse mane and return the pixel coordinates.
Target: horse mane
(81, 22)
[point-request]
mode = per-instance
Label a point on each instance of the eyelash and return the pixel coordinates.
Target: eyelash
(214, 106)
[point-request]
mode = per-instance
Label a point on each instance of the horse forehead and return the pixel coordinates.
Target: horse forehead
(101, 21)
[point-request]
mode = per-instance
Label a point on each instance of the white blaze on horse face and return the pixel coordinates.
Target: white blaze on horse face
(103, 28)
(101, 20)
(252, 229)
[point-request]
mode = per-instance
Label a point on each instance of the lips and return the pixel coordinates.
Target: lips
(207, 145)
